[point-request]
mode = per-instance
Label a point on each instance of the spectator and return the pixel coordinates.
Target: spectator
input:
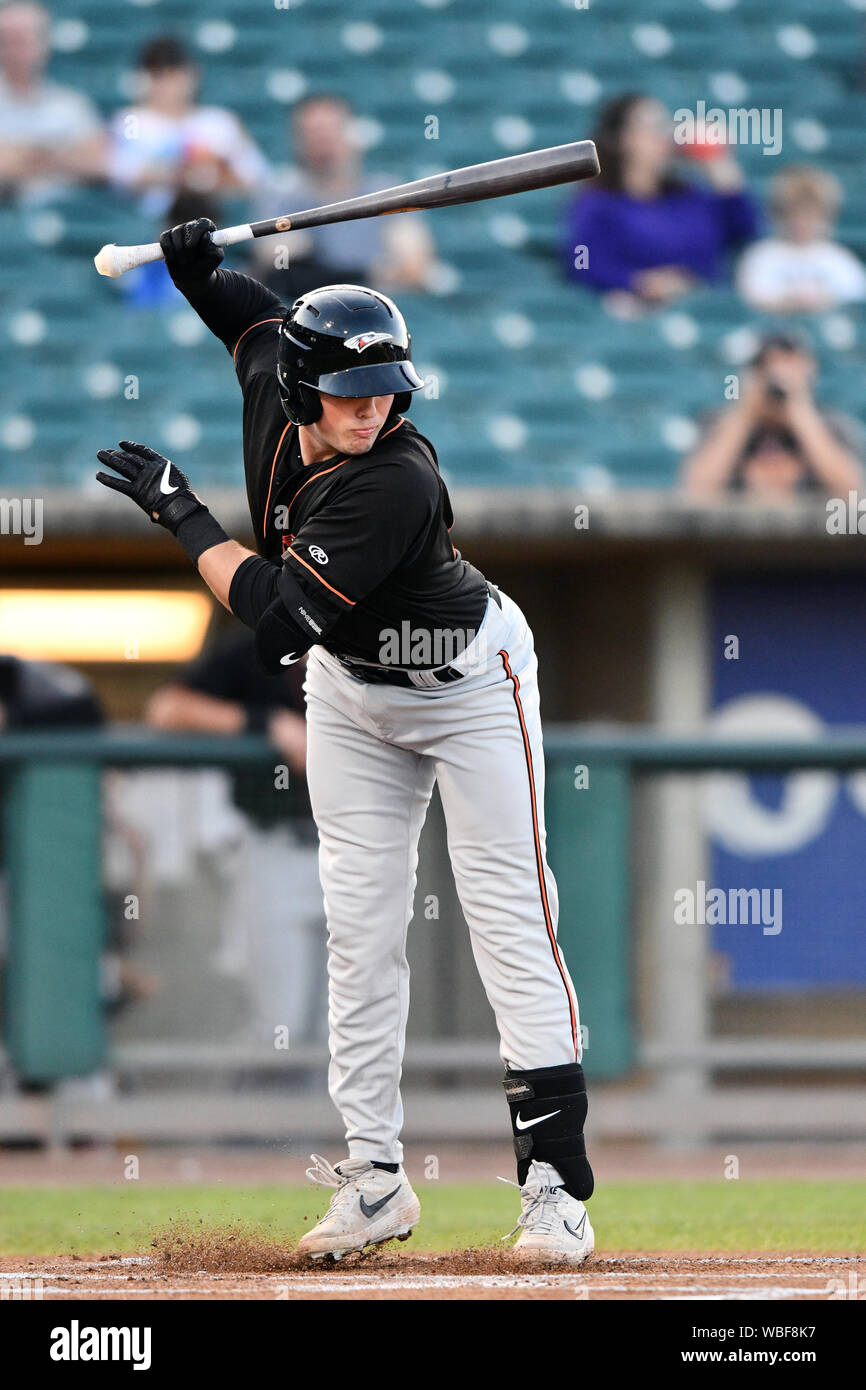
(391, 252)
(51, 137)
(272, 923)
(168, 144)
(649, 235)
(775, 441)
(801, 270)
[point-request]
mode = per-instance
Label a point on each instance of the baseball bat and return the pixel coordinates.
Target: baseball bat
(517, 173)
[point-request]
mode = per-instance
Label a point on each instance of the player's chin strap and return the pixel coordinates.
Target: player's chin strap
(548, 1112)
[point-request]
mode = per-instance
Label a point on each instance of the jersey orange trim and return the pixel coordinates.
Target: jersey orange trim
(334, 466)
(350, 601)
(401, 421)
(539, 856)
(271, 483)
(249, 330)
(324, 473)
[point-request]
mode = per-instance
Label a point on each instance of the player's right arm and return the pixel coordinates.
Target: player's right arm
(228, 303)
(244, 583)
(368, 530)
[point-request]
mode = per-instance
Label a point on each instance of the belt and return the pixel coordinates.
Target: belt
(410, 680)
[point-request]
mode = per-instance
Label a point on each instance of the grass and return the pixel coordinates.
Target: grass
(767, 1215)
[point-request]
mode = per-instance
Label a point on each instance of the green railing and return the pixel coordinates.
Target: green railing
(54, 1019)
(589, 832)
(52, 803)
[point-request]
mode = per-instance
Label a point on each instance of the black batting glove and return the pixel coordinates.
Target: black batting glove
(190, 255)
(153, 482)
(162, 491)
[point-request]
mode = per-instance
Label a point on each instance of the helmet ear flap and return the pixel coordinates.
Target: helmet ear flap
(302, 404)
(311, 405)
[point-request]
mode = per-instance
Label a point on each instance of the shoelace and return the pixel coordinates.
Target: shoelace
(535, 1205)
(324, 1174)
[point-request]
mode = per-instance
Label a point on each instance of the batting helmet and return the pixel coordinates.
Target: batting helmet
(344, 340)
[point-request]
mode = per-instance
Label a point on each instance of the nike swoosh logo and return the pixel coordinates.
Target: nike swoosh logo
(370, 1208)
(527, 1124)
(163, 482)
(579, 1232)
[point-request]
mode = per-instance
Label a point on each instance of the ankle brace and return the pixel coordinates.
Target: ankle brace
(555, 1098)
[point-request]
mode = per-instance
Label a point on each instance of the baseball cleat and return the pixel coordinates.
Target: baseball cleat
(369, 1207)
(554, 1226)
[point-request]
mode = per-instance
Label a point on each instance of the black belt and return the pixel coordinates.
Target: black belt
(379, 675)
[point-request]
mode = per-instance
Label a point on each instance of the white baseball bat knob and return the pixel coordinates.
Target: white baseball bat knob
(117, 260)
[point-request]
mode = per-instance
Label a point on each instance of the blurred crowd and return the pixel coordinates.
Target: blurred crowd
(663, 218)
(178, 158)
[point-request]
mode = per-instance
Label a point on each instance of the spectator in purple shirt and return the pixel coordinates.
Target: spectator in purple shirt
(639, 232)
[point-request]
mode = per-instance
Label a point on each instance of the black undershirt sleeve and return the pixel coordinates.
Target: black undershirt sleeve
(253, 589)
(229, 303)
(255, 599)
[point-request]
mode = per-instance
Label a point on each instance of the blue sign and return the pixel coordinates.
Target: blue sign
(789, 658)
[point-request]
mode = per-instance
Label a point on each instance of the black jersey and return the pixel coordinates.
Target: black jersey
(363, 538)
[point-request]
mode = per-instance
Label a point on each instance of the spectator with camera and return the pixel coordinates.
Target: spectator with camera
(774, 441)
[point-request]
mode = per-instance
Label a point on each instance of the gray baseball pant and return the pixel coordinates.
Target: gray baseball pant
(374, 752)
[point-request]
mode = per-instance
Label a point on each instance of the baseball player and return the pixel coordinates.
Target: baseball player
(419, 671)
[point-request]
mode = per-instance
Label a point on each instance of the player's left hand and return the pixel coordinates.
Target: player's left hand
(153, 482)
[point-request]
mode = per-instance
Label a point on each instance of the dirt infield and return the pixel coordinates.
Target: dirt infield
(192, 1261)
(224, 1273)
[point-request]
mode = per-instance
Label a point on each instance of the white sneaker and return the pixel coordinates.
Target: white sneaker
(555, 1225)
(369, 1207)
